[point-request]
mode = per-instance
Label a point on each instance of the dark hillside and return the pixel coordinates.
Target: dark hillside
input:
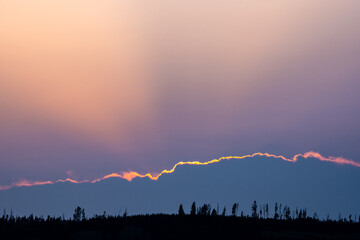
(178, 227)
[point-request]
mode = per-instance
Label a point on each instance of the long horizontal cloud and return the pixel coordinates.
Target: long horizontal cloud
(132, 174)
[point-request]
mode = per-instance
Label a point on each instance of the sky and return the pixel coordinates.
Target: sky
(89, 88)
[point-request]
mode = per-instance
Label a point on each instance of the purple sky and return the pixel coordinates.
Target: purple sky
(89, 88)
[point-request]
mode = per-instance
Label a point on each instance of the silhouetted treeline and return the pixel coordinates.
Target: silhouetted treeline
(280, 212)
(200, 222)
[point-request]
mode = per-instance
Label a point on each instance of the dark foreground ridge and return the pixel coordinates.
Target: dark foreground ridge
(201, 223)
(179, 227)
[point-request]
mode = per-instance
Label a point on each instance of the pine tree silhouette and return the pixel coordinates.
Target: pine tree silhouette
(276, 214)
(193, 209)
(181, 210)
(77, 214)
(234, 209)
(224, 212)
(254, 210)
